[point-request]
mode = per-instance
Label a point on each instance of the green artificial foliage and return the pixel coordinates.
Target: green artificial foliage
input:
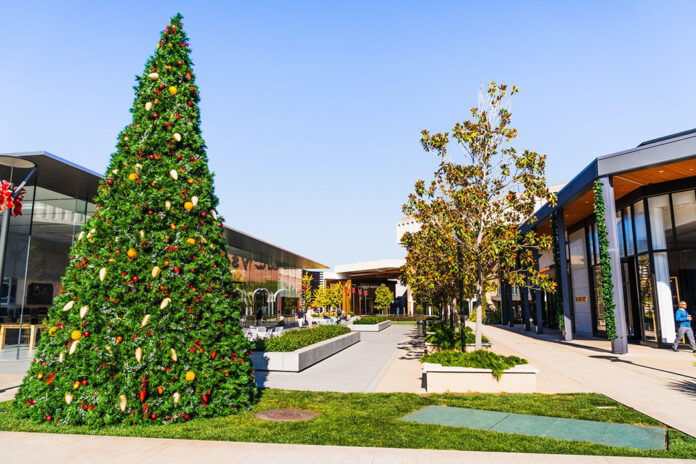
(604, 261)
(370, 320)
(448, 339)
(146, 327)
(295, 339)
(480, 359)
(557, 268)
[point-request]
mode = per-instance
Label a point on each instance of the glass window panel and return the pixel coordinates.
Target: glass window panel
(647, 305)
(640, 227)
(599, 305)
(595, 240)
(660, 223)
(619, 228)
(628, 228)
(685, 218)
(590, 245)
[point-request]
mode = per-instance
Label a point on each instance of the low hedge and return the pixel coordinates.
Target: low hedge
(448, 338)
(296, 339)
(480, 359)
(369, 320)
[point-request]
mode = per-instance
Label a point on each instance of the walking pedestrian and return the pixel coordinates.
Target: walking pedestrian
(683, 319)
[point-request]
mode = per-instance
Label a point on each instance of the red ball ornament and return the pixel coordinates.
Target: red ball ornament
(203, 214)
(135, 279)
(178, 157)
(151, 157)
(193, 158)
(150, 212)
(153, 417)
(50, 418)
(189, 103)
(86, 334)
(179, 63)
(84, 381)
(155, 115)
(161, 86)
(110, 182)
(161, 287)
(185, 417)
(124, 272)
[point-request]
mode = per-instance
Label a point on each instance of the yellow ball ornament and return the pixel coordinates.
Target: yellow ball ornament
(191, 241)
(132, 176)
(172, 90)
(131, 252)
(190, 376)
(75, 334)
(188, 206)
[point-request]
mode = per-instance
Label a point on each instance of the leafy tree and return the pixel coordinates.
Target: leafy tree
(306, 294)
(383, 297)
(322, 297)
(146, 327)
(336, 295)
(479, 203)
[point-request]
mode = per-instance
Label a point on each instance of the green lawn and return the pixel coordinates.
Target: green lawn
(403, 322)
(364, 419)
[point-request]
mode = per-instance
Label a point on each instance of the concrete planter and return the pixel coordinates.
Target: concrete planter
(431, 348)
(370, 327)
(443, 379)
(295, 361)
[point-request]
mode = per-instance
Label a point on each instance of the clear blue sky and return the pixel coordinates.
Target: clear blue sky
(312, 112)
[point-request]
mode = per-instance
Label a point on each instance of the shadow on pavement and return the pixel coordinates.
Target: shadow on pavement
(684, 386)
(617, 359)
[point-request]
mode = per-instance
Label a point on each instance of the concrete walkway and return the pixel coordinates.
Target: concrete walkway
(20, 447)
(358, 368)
(656, 382)
(405, 373)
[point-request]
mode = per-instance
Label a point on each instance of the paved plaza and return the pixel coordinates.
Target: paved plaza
(358, 368)
(21, 447)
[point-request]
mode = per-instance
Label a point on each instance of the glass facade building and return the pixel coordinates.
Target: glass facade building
(650, 197)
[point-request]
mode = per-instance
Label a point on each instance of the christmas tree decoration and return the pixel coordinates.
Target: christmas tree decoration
(157, 333)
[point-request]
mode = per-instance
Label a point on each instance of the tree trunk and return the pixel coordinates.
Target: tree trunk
(462, 325)
(479, 316)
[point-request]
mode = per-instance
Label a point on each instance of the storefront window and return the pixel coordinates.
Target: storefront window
(600, 325)
(641, 230)
(684, 204)
(619, 228)
(628, 228)
(660, 223)
(647, 305)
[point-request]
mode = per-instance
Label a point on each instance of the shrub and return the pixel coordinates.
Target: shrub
(369, 320)
(296, 339)
(448, 339)
(494, 316)
(479, 359)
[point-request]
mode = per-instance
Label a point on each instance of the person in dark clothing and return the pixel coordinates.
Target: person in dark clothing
(259, 316)
(281, 322)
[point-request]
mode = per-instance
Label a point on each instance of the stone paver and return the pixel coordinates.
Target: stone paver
(656, 382)
(19, 447)
(358, 368)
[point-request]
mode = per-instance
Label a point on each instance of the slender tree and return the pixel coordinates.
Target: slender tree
(146, 327)
(480, 201)
(383, 297)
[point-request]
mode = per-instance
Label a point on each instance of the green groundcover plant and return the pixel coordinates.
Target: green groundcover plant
(370, 320)
(361, 419)
(448, 339)
(146, 326)
(480, 359)
(295, 339)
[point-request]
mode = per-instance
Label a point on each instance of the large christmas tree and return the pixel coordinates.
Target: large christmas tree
(146, 327)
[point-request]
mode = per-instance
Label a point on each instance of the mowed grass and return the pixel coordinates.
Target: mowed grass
(372, 419)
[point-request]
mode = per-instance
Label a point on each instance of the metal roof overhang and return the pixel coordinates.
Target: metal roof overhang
(62, 176)
(664, 151)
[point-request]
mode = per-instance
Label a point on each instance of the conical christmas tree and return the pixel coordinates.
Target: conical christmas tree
(146, 328)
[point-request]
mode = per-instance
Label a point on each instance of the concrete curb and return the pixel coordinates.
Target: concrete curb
(298, 360)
